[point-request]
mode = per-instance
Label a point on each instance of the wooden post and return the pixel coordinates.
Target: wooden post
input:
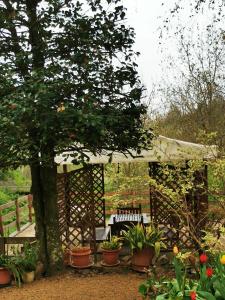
(2, 245)
(65, 169)
(92, 206)
(66, 204)
(29, 200)
(1, 225)
(151, 201)
(139, 207)
(17, 215)
(103, 203)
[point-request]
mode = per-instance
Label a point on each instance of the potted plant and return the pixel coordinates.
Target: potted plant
(110, 251)
(9, 269)
(80, 257)
(28, 263)
(145, 243)
(5, 274)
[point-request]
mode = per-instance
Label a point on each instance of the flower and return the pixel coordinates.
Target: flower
(175, 250)
(222, 260)
(209, 272)
(203, 258)
(193, 295)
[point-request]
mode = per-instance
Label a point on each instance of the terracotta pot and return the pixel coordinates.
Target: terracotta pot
(110, 257)
(80, 257)
(28, 277)
(142, 259)
(5, 276)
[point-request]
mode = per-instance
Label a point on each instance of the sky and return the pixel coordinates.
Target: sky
(143, 15)
(146, 16)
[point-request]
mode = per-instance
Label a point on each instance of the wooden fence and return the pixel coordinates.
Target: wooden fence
(142, 193)
(134, 198)
(15, 188)
(15, 213)
(7, 242)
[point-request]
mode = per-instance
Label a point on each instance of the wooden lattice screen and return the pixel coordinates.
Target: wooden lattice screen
(83, 208)
(163, 210)
(98, 194)
(61, 184)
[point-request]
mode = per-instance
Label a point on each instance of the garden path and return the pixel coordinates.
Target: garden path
(28, 232)
(71, 286)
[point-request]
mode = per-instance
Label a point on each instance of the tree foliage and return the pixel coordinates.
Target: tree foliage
(68, 79)
(193, 9)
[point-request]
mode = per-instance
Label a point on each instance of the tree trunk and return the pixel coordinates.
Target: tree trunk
(44, 191)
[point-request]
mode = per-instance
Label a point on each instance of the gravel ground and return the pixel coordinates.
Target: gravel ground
(78, 287)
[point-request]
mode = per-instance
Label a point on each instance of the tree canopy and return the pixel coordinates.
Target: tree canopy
(68, 79)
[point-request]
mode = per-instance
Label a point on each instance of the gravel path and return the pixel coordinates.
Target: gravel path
(74, 287)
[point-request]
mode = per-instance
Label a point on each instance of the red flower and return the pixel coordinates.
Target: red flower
(209, 272)
(193, 295)
(203, 258)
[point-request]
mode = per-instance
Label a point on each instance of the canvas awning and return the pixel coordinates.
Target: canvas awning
(163, 150)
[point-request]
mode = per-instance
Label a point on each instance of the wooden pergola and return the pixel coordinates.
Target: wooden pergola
(81, 192)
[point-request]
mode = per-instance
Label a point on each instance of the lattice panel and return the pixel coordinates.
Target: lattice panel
(61, 180)
(82, 208)
(98, 193)
(163, 212)
(164, 215)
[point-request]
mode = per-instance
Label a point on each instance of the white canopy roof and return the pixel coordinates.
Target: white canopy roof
(163, 149)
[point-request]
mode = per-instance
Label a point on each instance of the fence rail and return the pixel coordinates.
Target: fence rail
(16, 188)
(128, 193)
(12, 214)
(113, 210)
(134, 198)
(6, 242)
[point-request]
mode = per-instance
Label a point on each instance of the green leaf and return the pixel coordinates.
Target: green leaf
(143, 289)
(162, 297)
(218, 285)
(205, 295)
(140, 245)
(157, 248)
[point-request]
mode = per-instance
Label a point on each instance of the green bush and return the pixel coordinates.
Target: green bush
(6, 196)
(18, 178)
(122, 177)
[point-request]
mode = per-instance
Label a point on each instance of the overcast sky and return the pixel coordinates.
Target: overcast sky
(146, 16)
(143, 15)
